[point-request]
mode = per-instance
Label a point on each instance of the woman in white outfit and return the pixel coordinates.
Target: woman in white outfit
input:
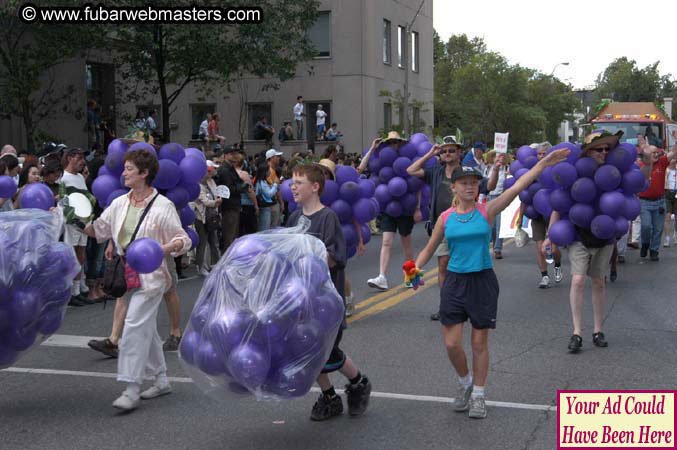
(141, 353)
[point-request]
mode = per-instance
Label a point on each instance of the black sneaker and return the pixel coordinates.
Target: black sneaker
(326, 408)
(172, 343)
(598, 340)
(76, 301)
(653, 255)
(575, 343)
(104, 346)
(358, 396)
(644, 251)
(621, 259)
(435, 316)
(613, 276)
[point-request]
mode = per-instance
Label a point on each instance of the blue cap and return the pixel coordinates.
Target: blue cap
(481, 145)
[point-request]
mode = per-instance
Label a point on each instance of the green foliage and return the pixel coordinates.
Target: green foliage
(623, 81)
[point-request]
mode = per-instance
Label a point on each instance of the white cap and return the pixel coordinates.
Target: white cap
(272, 152)
(212, 164)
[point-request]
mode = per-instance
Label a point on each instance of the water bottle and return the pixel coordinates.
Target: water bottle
(548, 254)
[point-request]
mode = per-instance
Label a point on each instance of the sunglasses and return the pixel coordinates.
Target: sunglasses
(449, 151)
(602, 149)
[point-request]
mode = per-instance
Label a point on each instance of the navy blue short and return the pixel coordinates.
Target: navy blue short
(336, 358)
(402, 224)
(473, 296)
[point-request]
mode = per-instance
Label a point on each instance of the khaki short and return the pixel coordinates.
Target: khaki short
(538, 229)
(73, 236)
(442, 249)
(593, 262)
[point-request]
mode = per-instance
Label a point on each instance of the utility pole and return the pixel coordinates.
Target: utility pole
(405, 62)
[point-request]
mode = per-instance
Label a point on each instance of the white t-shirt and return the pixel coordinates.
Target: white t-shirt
(671, 180)
(320, 116)
(298, 111)
(73, 180)
(203, 128)
(151, 123)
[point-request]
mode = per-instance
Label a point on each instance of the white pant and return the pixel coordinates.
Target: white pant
(140, 347)
(636, 229)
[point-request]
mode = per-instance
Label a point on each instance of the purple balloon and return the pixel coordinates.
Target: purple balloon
(249, 365)
(209, 359)
(115, 194)
(414, 184)
(330, 193)
(115, 161)
(232, 328)
(612, 204)
(194, 238)
(621, 158)
(409, 203)
(7, 187)
(586, 167)
(246, 250)
(343, 210)
(350, 191)
(546, 179)
(117, 144)
(374, 179)
(387, 157)
(50, 321)
(36, 195)
(142, 146)
(385, 174)
(293, 300)
(508, 183)
(400, 166)
(408, 150)
(530, 162)
(350, 234)
(377, 205)
(366, 233)
(187, 216)
(178, 196)
(574, 151)
(560, 200)
(583, 190)
(603, 227)
(520, 173)
(397, 187)
(144, 255)
(633, 182)
(363, 210)
(104, 171)
(432, 162)
(581, 214)
(193, 190)
(393, 209)
(172, 151)
(525, 152)
(515, 166)
(541, 202)
(526, 197)
(423, 147)
(530, 212)
(7, 356)
(193, 169)
(367, 188)
(304, 338)
(382, 193)
(190, 343)
(562, 233)
(24, 306)
(608, 177)
(374, 164)
(103, 187)
(19, 338)
(534, 187)
(285, 190)
(192, 151)
(622, 227)
(291, 381)
(564, 174)
(417, 138)
(168, 175)
(345, 174)
(312, 269)
(631, 208)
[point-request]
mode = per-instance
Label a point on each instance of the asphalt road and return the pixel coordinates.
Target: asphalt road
(59, 397)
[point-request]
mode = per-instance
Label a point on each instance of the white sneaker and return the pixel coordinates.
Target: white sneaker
(380, 282)
(545, 282)
(350, 305)
(83, 286)
(127, 403)
(204, 273)
(156, 391)
(667, 241)
(558, 274)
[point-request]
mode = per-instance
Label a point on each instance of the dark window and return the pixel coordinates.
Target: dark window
(198, 114)
(254, 113)
(320, 34)
(386, 41)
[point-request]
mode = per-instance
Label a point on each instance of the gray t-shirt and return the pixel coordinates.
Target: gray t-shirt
(445, 195)
(325, 226)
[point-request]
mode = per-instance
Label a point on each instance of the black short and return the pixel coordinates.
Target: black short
(337, 358)
(401, 224)
(471, 296)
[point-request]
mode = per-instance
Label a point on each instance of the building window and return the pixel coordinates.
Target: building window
(146, 110)
(320, 34)
(400, 47)
(386, 41)
(414, 51)
(387, 116)
(254, 113)
(198, 114)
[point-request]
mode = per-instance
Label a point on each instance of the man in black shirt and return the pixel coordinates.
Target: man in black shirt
(230, 206)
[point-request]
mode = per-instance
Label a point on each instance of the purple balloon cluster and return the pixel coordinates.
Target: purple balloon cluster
(600, 198)
(36, 274)
(396, 190)
(178, 177)
(266, 318)
(351, 198)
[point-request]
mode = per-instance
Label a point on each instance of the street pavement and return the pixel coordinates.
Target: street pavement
(59, 395)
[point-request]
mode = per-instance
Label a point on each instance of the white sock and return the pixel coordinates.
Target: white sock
(382, 275)
(466, 381)
(75, 290)
(161, 380)
(132, 390)
(477, 391)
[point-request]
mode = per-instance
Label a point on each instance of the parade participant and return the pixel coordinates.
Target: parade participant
(500, 170)
(670, 226)
(403, 225)
(141, 348)
(475, 157)
(470, 288)
(307, 184)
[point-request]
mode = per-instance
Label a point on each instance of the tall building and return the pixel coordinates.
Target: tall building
(360, 55)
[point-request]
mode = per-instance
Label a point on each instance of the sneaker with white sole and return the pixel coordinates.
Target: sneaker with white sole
(156, 391)
(545, 282)
(350, 305)
(204, 272)
(558, 274)
(667, 241)
(478, 408)
(380, 282)
(126, 402)
(461, 401)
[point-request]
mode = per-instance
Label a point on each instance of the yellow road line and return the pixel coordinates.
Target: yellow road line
(388, 293)
(390, 302)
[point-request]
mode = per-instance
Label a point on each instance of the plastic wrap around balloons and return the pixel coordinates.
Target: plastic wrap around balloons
(36, 275)
(265, 320)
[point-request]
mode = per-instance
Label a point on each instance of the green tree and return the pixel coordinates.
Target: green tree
(163, 59)
(29, 55)
(557, 101)
(623, 81)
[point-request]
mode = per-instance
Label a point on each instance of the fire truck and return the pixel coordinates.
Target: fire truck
(637, 118)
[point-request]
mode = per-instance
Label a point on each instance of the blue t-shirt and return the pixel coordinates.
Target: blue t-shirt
(468, 241)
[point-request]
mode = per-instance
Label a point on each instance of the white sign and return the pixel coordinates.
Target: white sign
(222, 191)
(501, 142)
(509, 220)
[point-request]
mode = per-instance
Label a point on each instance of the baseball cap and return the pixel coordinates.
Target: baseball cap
(211, 165)
(272, 152)
(465, 171)
(229, 149)
(74, 151)
(481, 145)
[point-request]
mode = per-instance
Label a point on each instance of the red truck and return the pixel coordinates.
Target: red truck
(635, 118)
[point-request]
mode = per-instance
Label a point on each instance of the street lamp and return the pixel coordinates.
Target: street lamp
(556, 66)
